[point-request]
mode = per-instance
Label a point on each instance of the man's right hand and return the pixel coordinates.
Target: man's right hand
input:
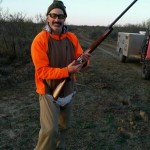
(73, 67)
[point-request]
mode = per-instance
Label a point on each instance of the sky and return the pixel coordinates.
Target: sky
(86, 12)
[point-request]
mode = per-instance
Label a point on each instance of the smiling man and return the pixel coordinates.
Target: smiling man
(54, 51)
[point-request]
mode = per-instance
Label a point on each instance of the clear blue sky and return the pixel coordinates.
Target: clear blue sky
(86, 12)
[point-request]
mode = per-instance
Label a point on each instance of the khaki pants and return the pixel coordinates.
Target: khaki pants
(54, 122)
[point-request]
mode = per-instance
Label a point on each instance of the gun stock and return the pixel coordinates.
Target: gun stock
(91, 48)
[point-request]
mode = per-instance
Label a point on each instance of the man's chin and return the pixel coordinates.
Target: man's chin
(57, 29)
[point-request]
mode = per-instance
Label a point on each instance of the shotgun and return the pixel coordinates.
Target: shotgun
(91, 48)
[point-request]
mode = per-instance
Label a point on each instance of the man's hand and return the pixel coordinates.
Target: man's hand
(86, 56)
(73, 67)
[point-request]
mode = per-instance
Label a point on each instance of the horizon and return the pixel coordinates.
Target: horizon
(94, 14)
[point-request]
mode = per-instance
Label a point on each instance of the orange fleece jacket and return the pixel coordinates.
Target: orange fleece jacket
(43, 69)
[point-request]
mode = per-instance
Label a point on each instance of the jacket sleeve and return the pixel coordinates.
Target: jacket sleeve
(40, 59)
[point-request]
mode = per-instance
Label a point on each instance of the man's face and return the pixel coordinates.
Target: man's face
(56, 20)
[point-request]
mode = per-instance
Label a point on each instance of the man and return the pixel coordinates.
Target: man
(54, 51)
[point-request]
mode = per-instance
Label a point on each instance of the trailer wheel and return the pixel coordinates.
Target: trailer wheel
(122, 58)
(146, 71)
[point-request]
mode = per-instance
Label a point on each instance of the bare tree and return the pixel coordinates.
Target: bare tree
(148, 22)
(39, 18)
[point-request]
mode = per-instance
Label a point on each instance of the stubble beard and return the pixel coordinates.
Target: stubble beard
(57, 27)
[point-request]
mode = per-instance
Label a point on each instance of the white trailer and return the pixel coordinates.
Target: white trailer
(129, 44)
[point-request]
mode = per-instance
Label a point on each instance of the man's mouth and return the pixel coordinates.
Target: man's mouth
(57, 24)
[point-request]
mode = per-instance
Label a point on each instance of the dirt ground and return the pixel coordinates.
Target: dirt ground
(111, 109)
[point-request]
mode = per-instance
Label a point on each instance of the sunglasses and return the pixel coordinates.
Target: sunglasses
(54, 16)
